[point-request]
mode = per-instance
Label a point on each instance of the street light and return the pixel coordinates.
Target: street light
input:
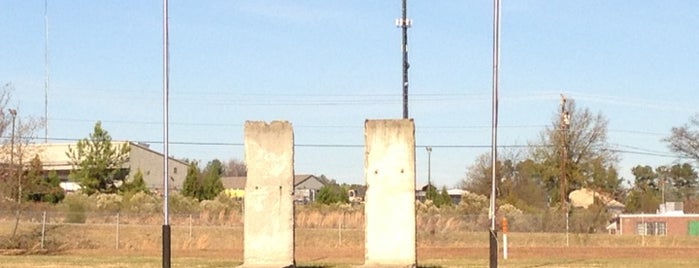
(429, 179)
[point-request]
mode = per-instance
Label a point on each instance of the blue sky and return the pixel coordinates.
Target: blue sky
(326, 66)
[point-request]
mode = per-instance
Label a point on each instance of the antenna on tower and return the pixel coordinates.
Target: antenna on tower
(405, 23)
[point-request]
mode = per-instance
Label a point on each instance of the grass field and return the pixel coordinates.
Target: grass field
(131, 245)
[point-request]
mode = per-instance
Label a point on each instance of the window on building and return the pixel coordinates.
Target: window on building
(660, 228)
(641, 228)
(651, 228)
(174, 170)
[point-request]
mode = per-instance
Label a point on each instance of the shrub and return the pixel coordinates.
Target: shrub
(108, 202)
(473, 204)
(182, 204)
(331, 194)
(141, 202)
(76, 205)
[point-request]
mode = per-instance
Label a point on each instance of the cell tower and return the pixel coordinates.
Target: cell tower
(405, 23)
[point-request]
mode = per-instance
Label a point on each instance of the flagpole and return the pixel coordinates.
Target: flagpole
(494, 131)
(166, 169)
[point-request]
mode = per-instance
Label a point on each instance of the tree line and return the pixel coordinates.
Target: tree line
(573, 153)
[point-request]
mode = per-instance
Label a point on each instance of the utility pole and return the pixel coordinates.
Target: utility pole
(13, 112)
(405, 23)
(564, 124)
(429, 173)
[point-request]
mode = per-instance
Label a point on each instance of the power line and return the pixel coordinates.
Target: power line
(640, 151)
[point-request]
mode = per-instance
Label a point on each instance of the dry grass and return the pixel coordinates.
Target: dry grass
(329, 237)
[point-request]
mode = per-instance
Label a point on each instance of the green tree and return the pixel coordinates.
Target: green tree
(206, 184)
(192, 186)
(518, 182)
(56, 193)
(98, 165)
(430, 191)
(442, 198)
(604, 178)
(645, 194)
(332, 193)
(40, 186)
(211, 181)
(137, 184)
(524, 187)
(683, 180)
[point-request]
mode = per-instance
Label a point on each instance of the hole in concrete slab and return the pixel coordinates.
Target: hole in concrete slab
(376, 171)
(401, 171)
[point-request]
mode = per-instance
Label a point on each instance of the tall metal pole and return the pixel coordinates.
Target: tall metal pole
(166, 169)
(46, 70)
(13, 112)
(494, 131)
(429, 173)
(405, 23)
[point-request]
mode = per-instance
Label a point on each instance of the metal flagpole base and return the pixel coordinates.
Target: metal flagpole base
(493, 249)
(166, 246)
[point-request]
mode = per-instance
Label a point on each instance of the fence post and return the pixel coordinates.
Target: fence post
(190, 225)
(504, 238)
(43, 229)
(643, 235)
(567, 229)
(117, 231)
(339, 230)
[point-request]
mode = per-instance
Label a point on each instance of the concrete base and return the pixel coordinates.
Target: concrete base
(266, 266)
(385, 266)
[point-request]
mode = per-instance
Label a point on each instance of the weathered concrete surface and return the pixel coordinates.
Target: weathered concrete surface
(269, 205)
(390, 197)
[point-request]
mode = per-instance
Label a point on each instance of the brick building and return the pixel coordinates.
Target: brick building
(659, 224)
(669, 220)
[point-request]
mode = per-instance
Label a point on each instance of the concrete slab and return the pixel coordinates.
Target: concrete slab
(390, 198)
(269, 205)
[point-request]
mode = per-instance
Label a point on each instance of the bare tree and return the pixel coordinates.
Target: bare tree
(16, 150)
(684, 140)
(236, 168)
(24, 135)
(582, 139)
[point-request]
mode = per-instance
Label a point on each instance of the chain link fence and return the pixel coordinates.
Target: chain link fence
(62, 230)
